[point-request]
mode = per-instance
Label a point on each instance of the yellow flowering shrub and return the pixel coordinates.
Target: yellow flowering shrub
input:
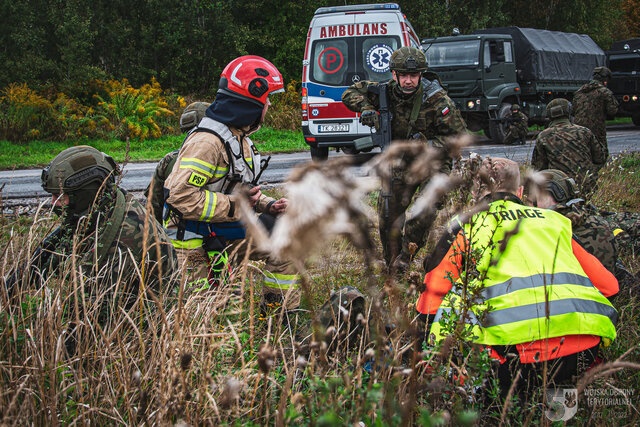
(23, 113)
(285, 111)
(136, 113)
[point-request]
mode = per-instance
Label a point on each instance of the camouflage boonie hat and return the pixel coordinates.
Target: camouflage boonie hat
(601, 73)
(192, 115)
(515, 108)
(561, 187)
(558, 108)
(408, 59)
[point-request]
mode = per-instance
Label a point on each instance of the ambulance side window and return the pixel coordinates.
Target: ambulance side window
(330, 61)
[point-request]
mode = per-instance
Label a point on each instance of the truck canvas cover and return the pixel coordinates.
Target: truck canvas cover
(552, 55)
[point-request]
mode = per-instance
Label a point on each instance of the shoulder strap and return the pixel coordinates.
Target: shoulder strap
(114, 225)
(417, 103)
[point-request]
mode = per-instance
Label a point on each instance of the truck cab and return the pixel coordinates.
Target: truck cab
(623, 60)
(479, 74)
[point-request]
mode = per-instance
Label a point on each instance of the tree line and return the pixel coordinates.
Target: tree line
(185, 44)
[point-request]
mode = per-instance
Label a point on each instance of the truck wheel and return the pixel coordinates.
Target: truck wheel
(497, 130)
(636, 119)
(319, 154)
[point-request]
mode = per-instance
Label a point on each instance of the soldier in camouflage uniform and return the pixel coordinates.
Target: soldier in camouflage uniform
(594, 103)
(421, 111)
(517, 126)
(82, 183)
(570, 148)
(589, 226)
(626, 228)
(189, 119)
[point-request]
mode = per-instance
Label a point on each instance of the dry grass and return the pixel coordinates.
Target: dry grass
(199, 358)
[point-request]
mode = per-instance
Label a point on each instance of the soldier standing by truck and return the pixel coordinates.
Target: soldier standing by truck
(420, 110)
(570, 148)
(594, 103)
(517, 126)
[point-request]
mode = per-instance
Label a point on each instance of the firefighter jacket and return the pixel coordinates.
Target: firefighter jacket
(213, 160)
(525, 280)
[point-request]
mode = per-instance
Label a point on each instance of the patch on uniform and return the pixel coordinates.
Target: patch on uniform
(445, 111)
(197, 179)
(255, 150)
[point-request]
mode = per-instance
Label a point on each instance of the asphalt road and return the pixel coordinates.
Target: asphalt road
(25, 184)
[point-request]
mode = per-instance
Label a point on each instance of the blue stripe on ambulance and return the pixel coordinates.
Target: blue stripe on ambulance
(333, 92)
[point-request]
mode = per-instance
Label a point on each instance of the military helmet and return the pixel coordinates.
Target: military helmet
(561, 187)
(601, 74)
(515, 108)
(341, 311)
(558, 108)
(77, 168)
(192, 115)
(408, 59)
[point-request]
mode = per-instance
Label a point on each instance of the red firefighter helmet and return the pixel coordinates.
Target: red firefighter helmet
(251, 78)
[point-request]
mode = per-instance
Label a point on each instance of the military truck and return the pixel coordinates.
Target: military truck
(487, 71)
(624, 62)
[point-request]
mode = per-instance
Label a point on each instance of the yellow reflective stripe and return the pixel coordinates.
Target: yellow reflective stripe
(617, 231)
(187, 244)
(197, 164)
(220, 171)
(249, 160)
(210, 201)
(281, 281)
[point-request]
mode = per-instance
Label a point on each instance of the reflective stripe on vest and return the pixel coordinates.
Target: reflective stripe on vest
(516, 307)
(281, 281)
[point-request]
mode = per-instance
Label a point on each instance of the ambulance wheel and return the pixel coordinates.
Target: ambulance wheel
(349, 150)
(319, 154)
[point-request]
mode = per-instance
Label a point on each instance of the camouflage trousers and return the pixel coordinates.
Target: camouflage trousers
(515, 136)
(396, 231)
(280, 281)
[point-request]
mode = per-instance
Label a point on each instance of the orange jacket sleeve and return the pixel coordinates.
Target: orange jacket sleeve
(439, 278)
(598, 274)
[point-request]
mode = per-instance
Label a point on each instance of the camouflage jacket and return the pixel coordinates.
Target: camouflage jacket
(120, 224)
(572, 149)
(592, 104)
(592, 231)
(437, 119)
(160, 175)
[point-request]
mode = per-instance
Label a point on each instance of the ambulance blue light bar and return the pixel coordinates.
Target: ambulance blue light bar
(357, 7)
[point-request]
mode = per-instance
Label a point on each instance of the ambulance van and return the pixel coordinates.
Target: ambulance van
(346, 44)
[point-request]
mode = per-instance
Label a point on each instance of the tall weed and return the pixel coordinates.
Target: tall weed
(205, 357)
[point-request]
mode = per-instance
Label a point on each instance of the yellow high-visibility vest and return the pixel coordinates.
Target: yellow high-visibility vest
(533, 288)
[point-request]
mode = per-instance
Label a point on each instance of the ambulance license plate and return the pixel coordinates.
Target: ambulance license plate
(334, 128)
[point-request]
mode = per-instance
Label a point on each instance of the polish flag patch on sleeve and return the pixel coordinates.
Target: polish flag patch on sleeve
(445, 111)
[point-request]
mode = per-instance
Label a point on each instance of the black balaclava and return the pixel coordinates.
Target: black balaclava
(234, 112)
